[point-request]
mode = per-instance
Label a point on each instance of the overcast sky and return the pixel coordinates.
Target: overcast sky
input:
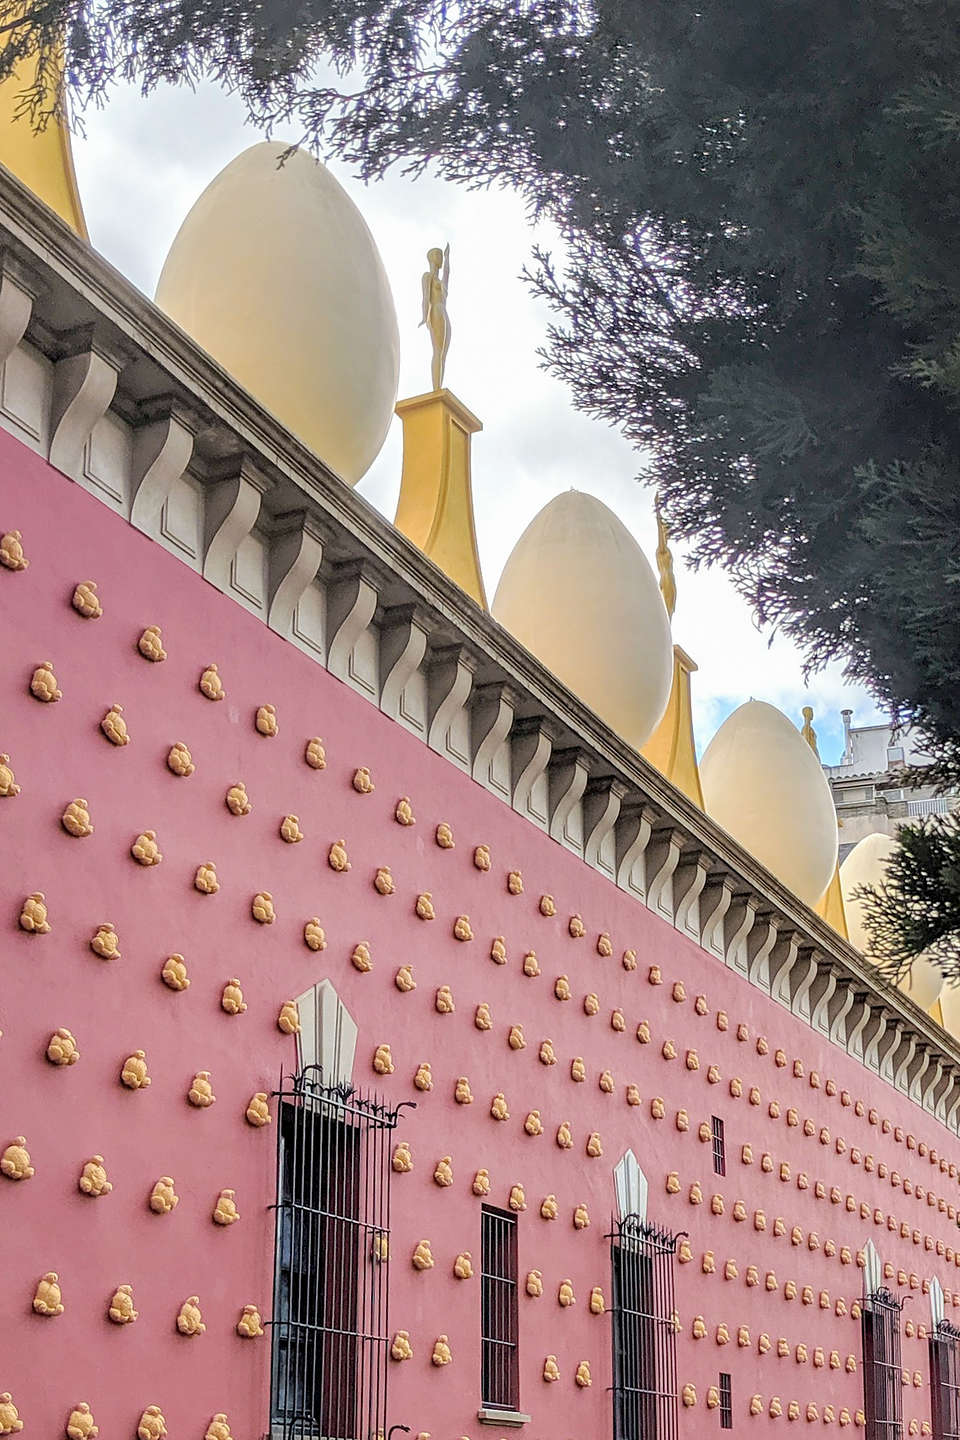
(141, 165)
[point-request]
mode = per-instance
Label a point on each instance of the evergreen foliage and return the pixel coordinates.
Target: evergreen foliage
(917, 907)
(760, 286)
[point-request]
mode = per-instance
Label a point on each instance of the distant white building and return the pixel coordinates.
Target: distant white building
(868, 786)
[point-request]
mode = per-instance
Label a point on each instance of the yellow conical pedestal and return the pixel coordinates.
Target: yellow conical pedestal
(671, 747)
(43, 159)
(830, 906)
(435, 509)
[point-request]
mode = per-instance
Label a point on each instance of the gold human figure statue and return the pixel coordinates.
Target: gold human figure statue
(434, 285)
(668, 585)
(807, 730)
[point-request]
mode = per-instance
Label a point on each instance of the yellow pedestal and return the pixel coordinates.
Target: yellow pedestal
(43, 160)
(671, 747)
(830, 908)
(435, 509)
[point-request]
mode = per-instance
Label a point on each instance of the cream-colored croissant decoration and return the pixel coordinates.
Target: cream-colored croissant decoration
(189, 1318)
(578, 1071)
(581, 1218)
(211, 685)
(515, 882)
(360, 957)
(482, 1018)
(404, 980)
(443, 1001)
(423, 1079)
(43, 684)
(462, 929)
(121, 1310)
(80, 1423)
(583, 1377)
(383, 1060)
(481, 1183)
(75, 818)
(133, 1072)
(237, 800)
(152, 1425)
(534, 1284)
(47, 1299)
(225, 1211)
(403, 814)
(604, 945)
(174, 973)
(145, 849)
(179, 760)
(546, 1053)
(549, 1209)
(290, 830)
(231, 998)
(314, 754)
(402, 1160)
(201, 1093)
(219, 1428)
(258, 1110)
(517, 1199)
(250, 1325)
(462, 1093)
(531, 965)
(362, 782)
(150, 644)
(62, 1048)
(498, 950)
(441, 1351)
(314, 936)
(463, 1266)
(533, 1125)
(163, 1197)
(12, 558)
(481, 857)
(288, 1021)
(85, 600)
(15, 1160)
(565, 1295)
(337, 857)
(547, 906)
(93, 1178)
(576, 927)
(265, 720)
(597, 1303)
(551, 1370)
(444, 836)
(498, 1107)
(400, 1348)
(443, 1174)
(422, 1257)
(515, 1038)
(261, 908)
(33, 914)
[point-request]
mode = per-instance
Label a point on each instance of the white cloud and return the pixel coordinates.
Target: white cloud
(143, 162)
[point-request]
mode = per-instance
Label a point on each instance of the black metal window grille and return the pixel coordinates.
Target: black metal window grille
(719, 1150)
(644, 1331)
(880, 1328)
(330, 1326)
(945, 1381)
(499, 1321)
(726, 1401)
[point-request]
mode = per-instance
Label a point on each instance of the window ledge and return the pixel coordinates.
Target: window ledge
(512, 1418)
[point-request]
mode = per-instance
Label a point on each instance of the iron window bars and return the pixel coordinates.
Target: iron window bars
(880, 1329)
(330, 1326)
(719, 1148)
(644, 1331)
(499, 1324)
(945, 1381)
(726, 1401)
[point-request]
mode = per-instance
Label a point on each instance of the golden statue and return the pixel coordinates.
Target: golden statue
(435, 283)
(807, 730)
(668, 585)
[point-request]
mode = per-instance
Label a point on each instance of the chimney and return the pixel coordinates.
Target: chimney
(846, 716)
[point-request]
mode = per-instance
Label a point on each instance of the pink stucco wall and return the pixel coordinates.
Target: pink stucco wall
(67, 1115)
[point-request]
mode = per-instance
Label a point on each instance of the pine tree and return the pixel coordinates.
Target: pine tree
(759, 203)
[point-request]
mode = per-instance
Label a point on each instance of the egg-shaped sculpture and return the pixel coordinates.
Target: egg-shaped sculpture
(275, 273)
(763, 783)
(579, 593)
(867, 865)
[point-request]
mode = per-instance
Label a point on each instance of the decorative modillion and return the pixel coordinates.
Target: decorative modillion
(201, 1093)
(33, 914)
(85, 601)
(75, 818)
(362, 782)
(258, 1110)
(211, 685)
(47, 1299)
(150, 644)
(225, 1211)
(174, 973)
(403, 814)
(315, 755)
(231, 998)
(133, 1072)
(236, 799)
(179, 760)
(250, 1325)
(62, 1048)
(93, 1178)
(43, 684)
(105, 942)
(145, 849)
(11, 552)
(163, 1196)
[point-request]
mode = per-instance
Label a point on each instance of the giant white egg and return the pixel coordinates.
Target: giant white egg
(275, 273)
(763, 783)
(867, 865)
(579, 593)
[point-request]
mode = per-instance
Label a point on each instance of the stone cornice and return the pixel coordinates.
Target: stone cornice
(78, 300)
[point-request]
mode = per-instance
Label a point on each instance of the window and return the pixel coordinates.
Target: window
(895, 755)
(499, 1321)
(945, 1381)
(644, 1332)
(726, 1401)
(719, 1151)
(880, 1326)
(330, 1329)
